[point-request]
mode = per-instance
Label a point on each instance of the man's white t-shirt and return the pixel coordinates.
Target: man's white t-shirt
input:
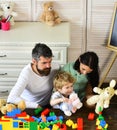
(33, 89)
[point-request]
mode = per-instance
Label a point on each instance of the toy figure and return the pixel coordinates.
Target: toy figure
(104, 96)
(8, 107)
(49, 16)
(7, 11)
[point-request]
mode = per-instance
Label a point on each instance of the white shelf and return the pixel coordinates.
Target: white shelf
(34, 32)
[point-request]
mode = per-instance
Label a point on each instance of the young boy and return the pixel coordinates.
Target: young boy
(64, 98)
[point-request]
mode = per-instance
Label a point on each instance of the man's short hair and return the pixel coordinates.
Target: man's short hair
(41, 49)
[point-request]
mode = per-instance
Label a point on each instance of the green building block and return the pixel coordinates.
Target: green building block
(33, 126)
(38, 110)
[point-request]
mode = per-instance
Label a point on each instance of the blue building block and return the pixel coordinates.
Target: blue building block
(13, 112)
(60, 118)
(102, 123)
(1, 127)
(15, 124)
(51, 118)
(37, 119)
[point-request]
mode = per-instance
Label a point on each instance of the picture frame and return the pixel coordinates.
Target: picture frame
(112, 41)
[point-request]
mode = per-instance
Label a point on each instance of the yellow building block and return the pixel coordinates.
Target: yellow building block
(55, 127)
(74, 125)
(69, 122)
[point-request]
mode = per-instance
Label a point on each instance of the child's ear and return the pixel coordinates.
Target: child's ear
(59, 90)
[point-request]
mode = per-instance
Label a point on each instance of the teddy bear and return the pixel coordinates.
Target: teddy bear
(71, 105)
(8, 107)
(7, 11)
(2, 102)
(49, 16)
(104, 96)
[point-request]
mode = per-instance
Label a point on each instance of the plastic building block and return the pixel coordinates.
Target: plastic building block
(30, 119)
(37, 119)
(106, 126)
(52, 114)
(91, 116)
(51, 118)
(74, 125)
(55, 127)
(80, 123)
(58, 124)
(13, 112)
(102, 123)
(15, 124)
(33, 126)
(22, 114)
(0, 127)
(63, 127)
(60, 118)
(2, 120)
(43, 118)
(38, 110)
(69, 122)
(45, 112)
(43, 125)
(46, 128)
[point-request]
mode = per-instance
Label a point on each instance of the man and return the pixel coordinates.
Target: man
(35, 82)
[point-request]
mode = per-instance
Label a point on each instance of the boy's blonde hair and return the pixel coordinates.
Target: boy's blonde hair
(62, 78)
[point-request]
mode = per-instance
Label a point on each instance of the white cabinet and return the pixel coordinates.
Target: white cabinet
(17, 43)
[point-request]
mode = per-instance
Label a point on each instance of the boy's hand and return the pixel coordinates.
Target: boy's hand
(65, 99)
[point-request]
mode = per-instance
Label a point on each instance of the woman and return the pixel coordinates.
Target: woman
(86, 72)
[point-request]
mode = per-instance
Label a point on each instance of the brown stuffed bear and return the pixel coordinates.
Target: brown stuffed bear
(8, 107)
(2, 103)
(49, 16)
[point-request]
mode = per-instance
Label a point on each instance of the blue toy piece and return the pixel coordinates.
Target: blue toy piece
(14, 112)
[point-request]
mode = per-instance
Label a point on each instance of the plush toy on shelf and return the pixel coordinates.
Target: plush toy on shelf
(49, 16)
(8, 107)
(7, 11)
(104, 96)
(1, 13)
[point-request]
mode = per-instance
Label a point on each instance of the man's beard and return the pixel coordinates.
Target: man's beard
(44, 72)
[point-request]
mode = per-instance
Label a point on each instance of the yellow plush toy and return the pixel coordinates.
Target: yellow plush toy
(49, 16)
(104, 96)
(8, 107)
(2, 103)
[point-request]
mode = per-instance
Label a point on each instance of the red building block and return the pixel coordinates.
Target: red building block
(80, 123)
(45, 112)
(22, 114)
(30, 119)
(63, 127)
(91, 116)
